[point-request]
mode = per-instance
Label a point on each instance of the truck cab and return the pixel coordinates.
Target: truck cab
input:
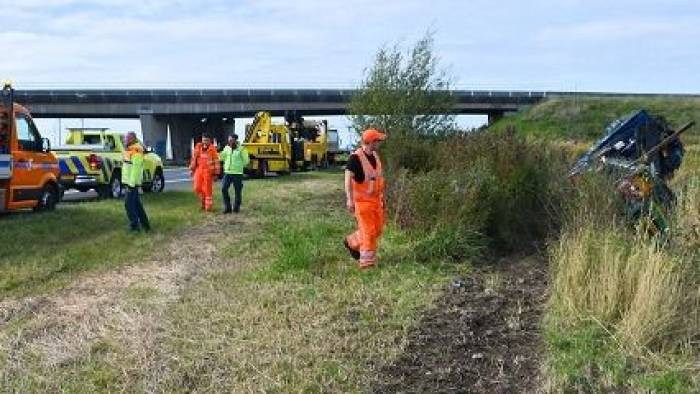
(28, 169)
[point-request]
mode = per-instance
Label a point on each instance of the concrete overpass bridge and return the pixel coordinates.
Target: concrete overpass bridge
(190, 112)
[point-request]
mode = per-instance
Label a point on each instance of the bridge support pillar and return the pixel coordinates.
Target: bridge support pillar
(183, 130)
(494, 117)
(155, 133)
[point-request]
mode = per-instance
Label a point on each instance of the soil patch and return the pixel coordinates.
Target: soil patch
(483, 335)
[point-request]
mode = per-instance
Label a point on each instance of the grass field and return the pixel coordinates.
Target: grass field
(266, 300)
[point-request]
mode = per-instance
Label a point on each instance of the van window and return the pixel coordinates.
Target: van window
(92, 139)
(27, 134)
(110, 145)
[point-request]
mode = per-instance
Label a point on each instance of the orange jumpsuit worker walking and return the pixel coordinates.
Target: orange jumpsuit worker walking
(204, 166)
(364, 189)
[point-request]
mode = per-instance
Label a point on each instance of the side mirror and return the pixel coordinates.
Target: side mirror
(148, 149)
(45, 145)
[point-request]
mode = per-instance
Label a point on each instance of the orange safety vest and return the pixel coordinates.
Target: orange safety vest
(372, 189)
(205, 159)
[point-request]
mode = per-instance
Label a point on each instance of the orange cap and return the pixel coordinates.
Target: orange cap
(371, 135)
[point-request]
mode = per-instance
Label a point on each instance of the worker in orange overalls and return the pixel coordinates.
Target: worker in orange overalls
(204, 166)
(364, 189)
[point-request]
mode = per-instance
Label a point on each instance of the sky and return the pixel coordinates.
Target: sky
(573, 45)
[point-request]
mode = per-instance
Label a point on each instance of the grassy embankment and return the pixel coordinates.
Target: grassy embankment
(623, 313)
(43, 251)
(268, 300)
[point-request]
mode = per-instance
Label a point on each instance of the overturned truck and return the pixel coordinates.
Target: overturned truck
(641, 152)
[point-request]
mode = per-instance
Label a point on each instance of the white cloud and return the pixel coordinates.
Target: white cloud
(328, 43)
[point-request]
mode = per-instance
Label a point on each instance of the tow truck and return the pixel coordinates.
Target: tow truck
(28, 169)
(295, 145)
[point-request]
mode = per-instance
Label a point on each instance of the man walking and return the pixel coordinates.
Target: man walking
(235, 159)
(204, 166)
(132, 176)
(364, 189)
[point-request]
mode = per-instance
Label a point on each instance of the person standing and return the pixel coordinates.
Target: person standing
(364, 189)
(132, 176)
(204, 167)
(235, 158)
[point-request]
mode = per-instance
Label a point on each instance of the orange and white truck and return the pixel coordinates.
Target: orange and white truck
(28, 170)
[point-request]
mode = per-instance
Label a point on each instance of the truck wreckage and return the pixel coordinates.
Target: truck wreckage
(641, 152)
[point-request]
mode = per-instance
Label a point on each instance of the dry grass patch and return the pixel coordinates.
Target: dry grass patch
(624, 308)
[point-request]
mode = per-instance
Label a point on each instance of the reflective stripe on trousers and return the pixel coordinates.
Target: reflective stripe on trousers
(203, 186)
(370, 224)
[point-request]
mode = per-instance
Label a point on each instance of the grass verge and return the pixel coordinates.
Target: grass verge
(624, 314)
(44, 251)
(282, 308)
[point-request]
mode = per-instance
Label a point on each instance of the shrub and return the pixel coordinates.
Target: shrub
(488, 189)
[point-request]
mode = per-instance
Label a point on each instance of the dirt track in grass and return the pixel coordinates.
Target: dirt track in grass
(482, 336)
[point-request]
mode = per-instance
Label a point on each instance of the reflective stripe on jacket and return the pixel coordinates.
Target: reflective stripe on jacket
(372, 189)
(132, 169)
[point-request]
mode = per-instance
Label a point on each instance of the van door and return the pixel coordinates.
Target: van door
(29, 163)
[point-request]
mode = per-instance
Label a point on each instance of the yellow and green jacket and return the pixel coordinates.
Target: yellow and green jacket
(235, 160)
(132, 169)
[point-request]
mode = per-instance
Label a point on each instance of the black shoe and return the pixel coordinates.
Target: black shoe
(226, 211)
(354, 253)
(147, 229)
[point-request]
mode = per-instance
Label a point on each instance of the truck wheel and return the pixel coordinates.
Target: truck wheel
(48, 199)
(115, 186)
(262, 169)
(104, 191)
(287, 170)
(157, 184)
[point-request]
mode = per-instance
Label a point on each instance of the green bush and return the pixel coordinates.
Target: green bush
(475, 190)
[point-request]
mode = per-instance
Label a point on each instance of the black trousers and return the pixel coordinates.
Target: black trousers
(134, 210)
(237, 181)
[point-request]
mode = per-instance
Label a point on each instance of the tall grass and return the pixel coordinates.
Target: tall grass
(476, 193)
(640, 292)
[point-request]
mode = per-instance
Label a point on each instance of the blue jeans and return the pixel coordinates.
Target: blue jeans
(134, 210)
(237, 180)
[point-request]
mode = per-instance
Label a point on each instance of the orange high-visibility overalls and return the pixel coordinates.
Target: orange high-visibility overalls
(368, 198)
(205, 165)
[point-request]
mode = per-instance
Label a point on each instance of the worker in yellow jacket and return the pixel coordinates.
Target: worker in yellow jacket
(235, 159)
(132, 177)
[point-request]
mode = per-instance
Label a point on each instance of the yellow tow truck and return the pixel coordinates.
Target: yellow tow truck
(282, 148)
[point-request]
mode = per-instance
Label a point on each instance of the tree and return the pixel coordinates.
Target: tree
(405, 94)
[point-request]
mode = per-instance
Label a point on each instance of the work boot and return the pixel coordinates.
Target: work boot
(354, 253)
(364, 266)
